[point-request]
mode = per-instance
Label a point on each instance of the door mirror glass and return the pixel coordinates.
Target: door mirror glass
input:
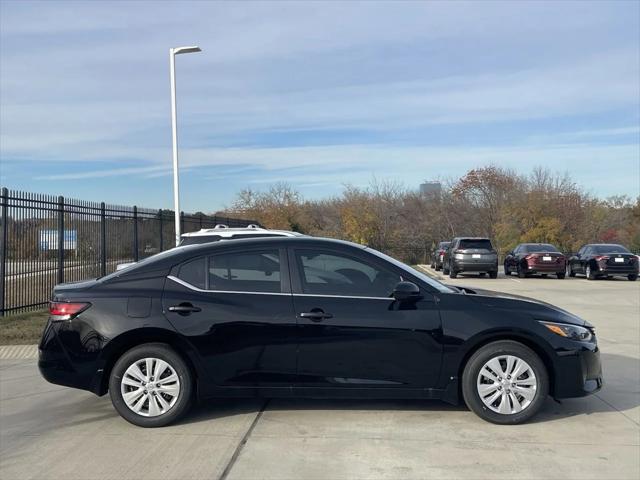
(405, 291)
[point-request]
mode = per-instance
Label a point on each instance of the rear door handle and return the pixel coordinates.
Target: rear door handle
(184, 309)
(316, 315)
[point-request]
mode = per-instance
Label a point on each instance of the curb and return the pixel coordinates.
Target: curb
(428, 271)
(18, 352)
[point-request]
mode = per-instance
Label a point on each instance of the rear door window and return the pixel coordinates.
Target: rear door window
(255, 271)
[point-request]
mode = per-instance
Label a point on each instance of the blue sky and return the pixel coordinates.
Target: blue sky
(315, 94)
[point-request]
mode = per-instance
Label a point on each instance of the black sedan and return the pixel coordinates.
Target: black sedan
(603, 260)
(300, 317)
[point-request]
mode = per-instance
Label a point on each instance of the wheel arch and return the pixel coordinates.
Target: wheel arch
(126, 341)
(526, 340)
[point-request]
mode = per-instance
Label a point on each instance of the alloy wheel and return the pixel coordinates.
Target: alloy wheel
(150, 387)
(506, 384)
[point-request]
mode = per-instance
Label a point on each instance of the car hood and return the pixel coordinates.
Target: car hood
(538, 309)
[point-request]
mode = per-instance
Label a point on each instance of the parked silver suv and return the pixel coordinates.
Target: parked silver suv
(470, 254)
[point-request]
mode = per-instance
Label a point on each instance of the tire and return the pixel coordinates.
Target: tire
(507, 272)
(452, 273)
(633, 277)
(482, 274)
(560, 276)
(535, 372)
(493, 274)
(445, 270)
(438, 268)
(174, 365)
(521, 274)
(589, 273)
(570, 271)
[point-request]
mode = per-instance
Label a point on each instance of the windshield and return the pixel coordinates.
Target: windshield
(610, 249)
(416, 273)
(444, 244)
(479, 243)
(539, 247)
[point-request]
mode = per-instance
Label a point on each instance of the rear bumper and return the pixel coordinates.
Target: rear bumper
(545, 268)
(464, 266)
(614, 270)
(578, 373)
(57, 367)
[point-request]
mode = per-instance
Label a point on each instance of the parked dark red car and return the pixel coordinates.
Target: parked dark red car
(530, 258)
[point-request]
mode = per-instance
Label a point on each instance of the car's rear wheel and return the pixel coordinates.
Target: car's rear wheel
(632, 278)
(452, 273)
(570, 271)
(445, 270)
(506, 269)
(493, 274)
(560, 275)
(505, 382)
(151, 385)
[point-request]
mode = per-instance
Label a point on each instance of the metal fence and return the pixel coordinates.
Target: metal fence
(45, 240)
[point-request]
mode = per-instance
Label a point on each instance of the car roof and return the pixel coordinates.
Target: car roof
(472, 238)
(177, 255)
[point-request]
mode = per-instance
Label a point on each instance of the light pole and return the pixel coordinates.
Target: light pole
(174, 131)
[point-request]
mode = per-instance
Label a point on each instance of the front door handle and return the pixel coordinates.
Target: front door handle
(316, 315)
(184, 309)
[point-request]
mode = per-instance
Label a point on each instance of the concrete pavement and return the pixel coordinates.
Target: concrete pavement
(54, 432)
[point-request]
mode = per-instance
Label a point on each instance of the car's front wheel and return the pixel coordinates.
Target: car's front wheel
(633, 277)
(505, 382)
(151, 385)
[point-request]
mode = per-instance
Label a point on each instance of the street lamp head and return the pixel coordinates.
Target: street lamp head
(179, 50)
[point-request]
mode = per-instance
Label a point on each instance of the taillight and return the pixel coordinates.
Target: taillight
(601, 258)
(61, 311)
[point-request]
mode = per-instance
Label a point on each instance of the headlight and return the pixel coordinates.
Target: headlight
(572, 332)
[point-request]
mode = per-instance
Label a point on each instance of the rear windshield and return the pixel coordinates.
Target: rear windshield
(539, 247)
(483, 243)
(444, 244)
(610, 249)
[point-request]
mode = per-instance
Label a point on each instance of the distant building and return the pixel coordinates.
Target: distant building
(431, 188)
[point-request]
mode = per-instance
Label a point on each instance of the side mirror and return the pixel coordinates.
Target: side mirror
(405, 291)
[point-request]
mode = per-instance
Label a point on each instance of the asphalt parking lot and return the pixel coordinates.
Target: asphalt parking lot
(54, 432)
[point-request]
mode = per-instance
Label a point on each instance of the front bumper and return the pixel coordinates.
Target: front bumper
(578, 372)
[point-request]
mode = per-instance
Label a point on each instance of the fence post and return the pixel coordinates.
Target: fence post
(135, 233)
(160, 217)
(60, 239)
(201, 221)
(4, 210)
(182, 222)
(103, 245)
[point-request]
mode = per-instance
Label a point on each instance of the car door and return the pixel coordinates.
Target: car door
(236, 309)
(353, 334)
(583, 259)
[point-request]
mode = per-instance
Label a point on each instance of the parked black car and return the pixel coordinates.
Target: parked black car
(301, 316)
(438, 255)
(530, 258)
(603, 260)
(470, 254)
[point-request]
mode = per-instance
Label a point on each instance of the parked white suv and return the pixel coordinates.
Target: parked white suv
(223, 232)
